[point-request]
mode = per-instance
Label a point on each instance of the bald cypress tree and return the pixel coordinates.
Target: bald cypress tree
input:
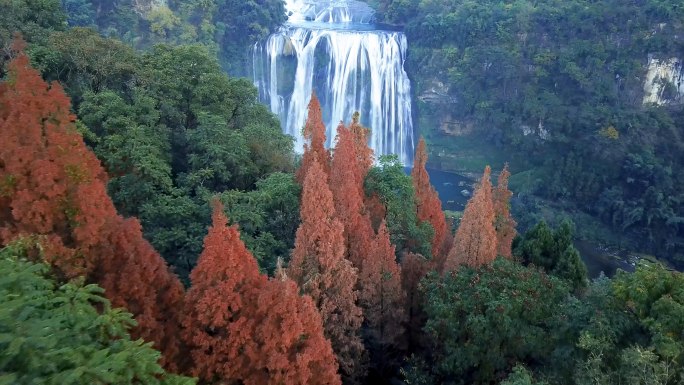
(503, 223)
(52, 185)
(428, 205)
(242, 327)
(475, 241)
(314, 135)
(321, 271)
(346, 184)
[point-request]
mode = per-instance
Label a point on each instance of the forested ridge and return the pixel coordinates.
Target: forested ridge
(559, 87)
(156, 226)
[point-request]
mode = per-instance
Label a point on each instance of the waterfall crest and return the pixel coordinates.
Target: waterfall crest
(352, 67)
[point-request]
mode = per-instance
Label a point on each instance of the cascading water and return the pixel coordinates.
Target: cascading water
(332, 47)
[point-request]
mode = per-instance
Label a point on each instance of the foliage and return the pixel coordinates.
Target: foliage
(268, 218)
(346, 184)
(503, 223)
(553, 251)
(559, 86)
(382, 299)
(79, 12)
(66, 334)
(35, 20)
(58, 191)
(319, 268)
(475, 243)
(428, 205)
(234, 316)
(395, 191)
(57, 186)
(180, 139)
(484, 320)
(314, 134)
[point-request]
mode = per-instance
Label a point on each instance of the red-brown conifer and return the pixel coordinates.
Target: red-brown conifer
(428, 205)
(320, 269)
(242, 327)
(503, 223)
(346, 184)
(361, 135)
(382, 297)
(287, 345)
(136, 277)
(447, 244)
(475, 241)
(50, 183)
(314, 134)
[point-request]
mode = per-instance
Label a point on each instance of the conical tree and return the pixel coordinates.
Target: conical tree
(346, 184)
(242, 327)
(382, 297)
(320, 269)
(503, 223)
(475, 241)
(361, 135)
(136, 277)
(51, 184)
(447, 244)
(287, 345)
(428, 205)
(314, 134)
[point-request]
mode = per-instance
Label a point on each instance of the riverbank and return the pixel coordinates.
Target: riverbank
(599, 247)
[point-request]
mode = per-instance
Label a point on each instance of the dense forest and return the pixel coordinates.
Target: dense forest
(156, 225)
(558, 86)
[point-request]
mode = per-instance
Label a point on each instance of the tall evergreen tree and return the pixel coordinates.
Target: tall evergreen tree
(382, 297)
(346, 184)
(314, 134)
(136, 277)
(361, 135)
(242, 327)
(503, 223)
(475, 241)
(52, 185)
(320, 269)
(428, 205)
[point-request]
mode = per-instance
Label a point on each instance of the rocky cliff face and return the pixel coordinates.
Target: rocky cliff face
(664, 81)
(142, 7)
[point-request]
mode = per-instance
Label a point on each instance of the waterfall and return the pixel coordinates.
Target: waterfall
(352, 67)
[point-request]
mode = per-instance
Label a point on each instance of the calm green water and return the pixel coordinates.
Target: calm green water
(594, 257)
(447, 186)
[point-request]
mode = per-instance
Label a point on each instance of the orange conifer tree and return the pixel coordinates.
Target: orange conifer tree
(428, 205)
(287, 345)
(346, 184)
(242, 327)
(365, 154)
(503, 223)
(382, 297)
(52, 185)
(475, 241)
(320, 269)
(314, 134)
(136, 277)
(447, 244)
